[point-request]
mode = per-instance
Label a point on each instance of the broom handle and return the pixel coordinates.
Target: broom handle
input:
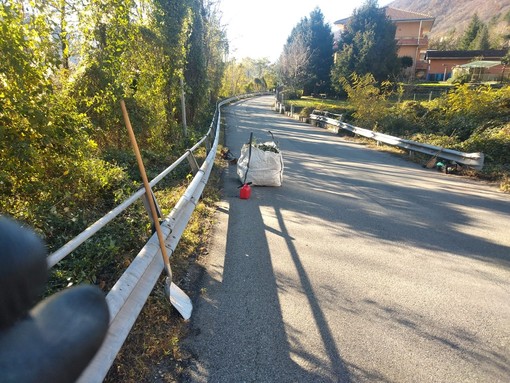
(249, 158)
(147, 188)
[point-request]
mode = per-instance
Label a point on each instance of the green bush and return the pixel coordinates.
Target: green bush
(306, 111)
(399, 126)
(437, 140)
(467, 118)
(292, 94)
(494, 143)
(404, 119)
(461, 79)
(411, 109)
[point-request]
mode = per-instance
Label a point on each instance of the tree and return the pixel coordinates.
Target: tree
(65, 65)
(260, 73)
(249, 75)
(320, 43)
(61, 16)
(293, 62)
(234, 79)
(45, 148)
(482, 42)
(174, 23)
(368, 46)
(368, 100)
(196, 68)
(309, 55)
(406, 62)
(468, 39)
(506, 59)
(216, 48)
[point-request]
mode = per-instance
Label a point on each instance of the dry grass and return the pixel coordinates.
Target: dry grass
(505, 184)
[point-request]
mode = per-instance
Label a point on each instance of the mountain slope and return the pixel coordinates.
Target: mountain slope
(455, 15)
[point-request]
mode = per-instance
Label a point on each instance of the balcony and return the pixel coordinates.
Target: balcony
(413, 41)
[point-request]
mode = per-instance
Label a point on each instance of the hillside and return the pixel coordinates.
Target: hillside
(454, 15)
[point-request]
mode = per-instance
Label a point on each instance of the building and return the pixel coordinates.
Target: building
(442, 63)
(411, 33)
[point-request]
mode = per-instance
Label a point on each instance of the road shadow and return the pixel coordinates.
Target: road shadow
(434, 219)
(238, 333)
(241, 333)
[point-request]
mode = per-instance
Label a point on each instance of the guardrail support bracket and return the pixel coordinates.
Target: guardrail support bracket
(193, 162)
(148, 209)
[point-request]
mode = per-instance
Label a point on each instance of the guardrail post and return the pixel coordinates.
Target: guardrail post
(148, 209)
(192, 162)
(208, 144)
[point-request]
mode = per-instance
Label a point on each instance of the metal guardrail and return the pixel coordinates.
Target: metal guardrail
(473, 160)
(129, 294)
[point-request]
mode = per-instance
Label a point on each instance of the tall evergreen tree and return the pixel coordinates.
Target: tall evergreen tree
(320, 43)
(307, 56)
(468, 39)
(368, 46)
(482, 39)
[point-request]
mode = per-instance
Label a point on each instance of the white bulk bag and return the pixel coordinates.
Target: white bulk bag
(265, 168)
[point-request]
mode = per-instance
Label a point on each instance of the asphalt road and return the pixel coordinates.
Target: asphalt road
(362, 267)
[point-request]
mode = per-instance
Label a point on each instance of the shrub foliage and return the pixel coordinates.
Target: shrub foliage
(467, 118)
(64, 151)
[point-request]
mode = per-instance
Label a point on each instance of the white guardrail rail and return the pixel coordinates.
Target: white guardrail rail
(129, 294)
(473, 160)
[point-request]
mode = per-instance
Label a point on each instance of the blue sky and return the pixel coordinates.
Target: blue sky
(259, 28)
